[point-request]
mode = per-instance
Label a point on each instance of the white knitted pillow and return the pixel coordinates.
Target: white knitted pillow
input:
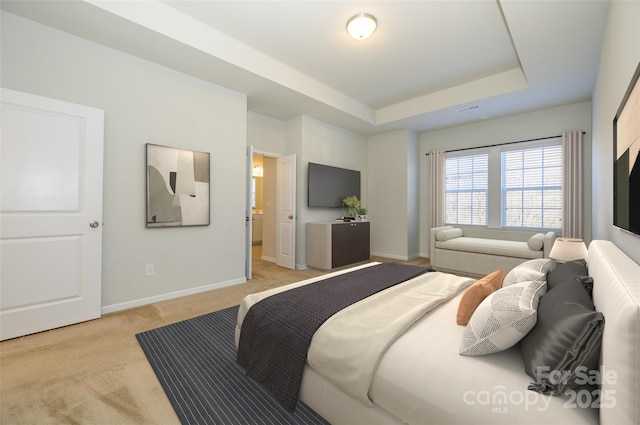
(503, 318)
(528, 271)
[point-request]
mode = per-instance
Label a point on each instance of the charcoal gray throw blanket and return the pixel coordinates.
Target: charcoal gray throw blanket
(277, 331)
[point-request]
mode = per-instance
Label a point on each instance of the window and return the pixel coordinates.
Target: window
(504, 186)
(532, 187)
(466, 188)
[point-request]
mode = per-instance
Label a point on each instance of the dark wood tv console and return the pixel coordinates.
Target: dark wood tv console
(337, 244)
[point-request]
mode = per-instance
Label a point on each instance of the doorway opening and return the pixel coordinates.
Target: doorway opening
(263, 216)
(270, 208)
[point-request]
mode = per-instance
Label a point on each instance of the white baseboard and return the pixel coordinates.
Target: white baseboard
(273, 260)
(394, 256)
(168, 296)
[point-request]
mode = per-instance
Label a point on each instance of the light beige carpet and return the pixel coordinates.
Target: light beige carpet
(96, 373)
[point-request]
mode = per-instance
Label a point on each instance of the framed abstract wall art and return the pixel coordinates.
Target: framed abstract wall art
(177, 187)
(626, 167)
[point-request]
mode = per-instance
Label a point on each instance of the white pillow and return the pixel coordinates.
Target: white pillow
(536, 242)
(444, 235)
(528, 271)
(503, 318)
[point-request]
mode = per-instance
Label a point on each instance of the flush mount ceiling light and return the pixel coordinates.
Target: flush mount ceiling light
(361, 26)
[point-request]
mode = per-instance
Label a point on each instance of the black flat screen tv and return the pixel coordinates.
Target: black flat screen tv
(626, 155)
(328, 185)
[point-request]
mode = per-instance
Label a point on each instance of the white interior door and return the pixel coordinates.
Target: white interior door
(286, 211)
(50, 213)
(248, 215)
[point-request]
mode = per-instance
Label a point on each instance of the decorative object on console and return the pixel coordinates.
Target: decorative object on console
(626, 166)
(568, 249)
(353, 206)
(362, 214)
(177, 187)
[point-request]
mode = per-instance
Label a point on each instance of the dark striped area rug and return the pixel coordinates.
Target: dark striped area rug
(195, 361)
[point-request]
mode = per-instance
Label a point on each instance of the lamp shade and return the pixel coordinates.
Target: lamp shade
(568, 249)
(361, 26)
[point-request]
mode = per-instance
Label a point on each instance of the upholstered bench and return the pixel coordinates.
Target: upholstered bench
(451, 250)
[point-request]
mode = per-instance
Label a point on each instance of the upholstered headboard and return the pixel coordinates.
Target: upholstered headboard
(616, 293)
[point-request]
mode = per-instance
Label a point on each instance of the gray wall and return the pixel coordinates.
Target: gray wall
(548, 122)
(312, 141)
(618, 61)
(394, 194)
(147, 103)
(143, 103)
(326, 144)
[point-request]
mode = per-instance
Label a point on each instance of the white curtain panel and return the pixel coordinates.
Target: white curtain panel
(436, 194)
(572, 184)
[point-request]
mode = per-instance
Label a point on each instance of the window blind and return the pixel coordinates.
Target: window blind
(466, 188)
(532, 187)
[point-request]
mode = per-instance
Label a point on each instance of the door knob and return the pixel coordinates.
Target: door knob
(290, 217)
(94, 224)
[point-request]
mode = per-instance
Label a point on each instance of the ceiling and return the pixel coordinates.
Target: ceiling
(429, 65)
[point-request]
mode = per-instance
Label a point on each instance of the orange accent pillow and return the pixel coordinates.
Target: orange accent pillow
(477, 292)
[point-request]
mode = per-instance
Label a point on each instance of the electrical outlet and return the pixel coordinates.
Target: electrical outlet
(150, 269)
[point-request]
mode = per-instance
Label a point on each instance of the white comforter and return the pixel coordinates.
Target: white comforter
(347, 348)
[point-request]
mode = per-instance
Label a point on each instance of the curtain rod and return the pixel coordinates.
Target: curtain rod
(505, 143)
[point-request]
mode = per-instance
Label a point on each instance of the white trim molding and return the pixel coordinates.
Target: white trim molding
(168, 296)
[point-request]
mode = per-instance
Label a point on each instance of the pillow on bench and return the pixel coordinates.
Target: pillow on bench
(445, 235)
(536, 242)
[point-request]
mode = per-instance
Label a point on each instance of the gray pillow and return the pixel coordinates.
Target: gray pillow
(570, 270)
(565, 343)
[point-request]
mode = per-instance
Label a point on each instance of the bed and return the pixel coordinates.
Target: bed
(422, 379)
